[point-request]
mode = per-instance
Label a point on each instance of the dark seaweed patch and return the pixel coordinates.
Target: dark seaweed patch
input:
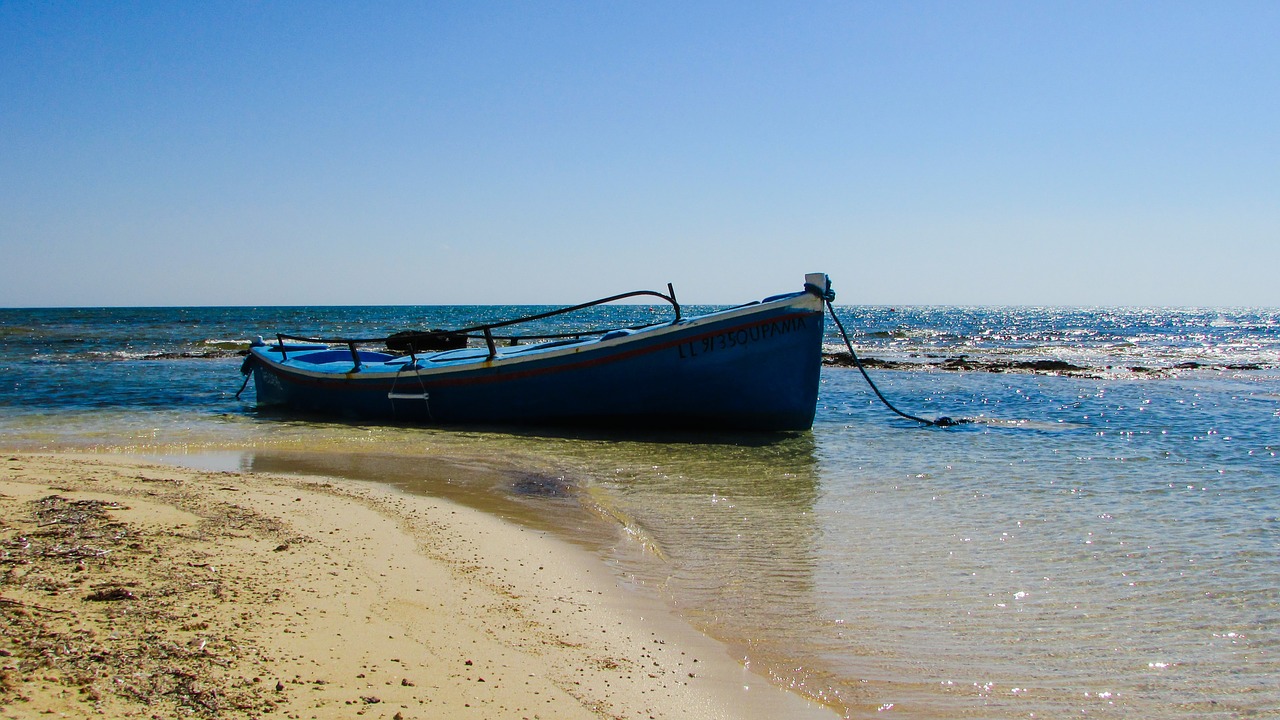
(540, 485)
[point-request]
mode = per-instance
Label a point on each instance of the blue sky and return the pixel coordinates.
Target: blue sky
(1031, 153)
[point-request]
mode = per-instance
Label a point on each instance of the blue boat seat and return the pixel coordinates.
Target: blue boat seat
(322, 358)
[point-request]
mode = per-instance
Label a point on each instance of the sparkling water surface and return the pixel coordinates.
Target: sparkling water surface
(1104, 544)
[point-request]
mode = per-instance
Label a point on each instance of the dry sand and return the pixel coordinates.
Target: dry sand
(129, 589)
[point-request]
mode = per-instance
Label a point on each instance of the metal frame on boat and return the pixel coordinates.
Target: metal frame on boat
(754, 367)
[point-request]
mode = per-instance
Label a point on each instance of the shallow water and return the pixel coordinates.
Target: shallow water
(1104, 546)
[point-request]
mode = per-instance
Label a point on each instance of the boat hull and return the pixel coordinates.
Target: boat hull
(753, 368)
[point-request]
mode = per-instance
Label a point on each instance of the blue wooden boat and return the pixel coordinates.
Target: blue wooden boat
(752, 367)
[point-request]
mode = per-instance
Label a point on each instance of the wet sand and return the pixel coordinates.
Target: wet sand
(130, 589)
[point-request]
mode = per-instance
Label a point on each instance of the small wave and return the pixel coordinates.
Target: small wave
(1025, 424)
(219, 344)
(598, 500)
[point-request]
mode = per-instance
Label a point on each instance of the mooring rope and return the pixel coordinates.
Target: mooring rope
(246, 368)
(943, 421)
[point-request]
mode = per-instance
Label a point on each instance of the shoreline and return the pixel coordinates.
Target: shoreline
(132, 587)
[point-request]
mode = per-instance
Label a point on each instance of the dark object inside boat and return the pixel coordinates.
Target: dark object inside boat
(409, 341)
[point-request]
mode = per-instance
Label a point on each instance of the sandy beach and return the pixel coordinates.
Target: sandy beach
(131, 589)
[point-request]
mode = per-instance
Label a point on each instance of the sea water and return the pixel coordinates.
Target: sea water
(1104, 542)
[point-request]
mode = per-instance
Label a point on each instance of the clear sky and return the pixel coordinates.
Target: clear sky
(1032, 153)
